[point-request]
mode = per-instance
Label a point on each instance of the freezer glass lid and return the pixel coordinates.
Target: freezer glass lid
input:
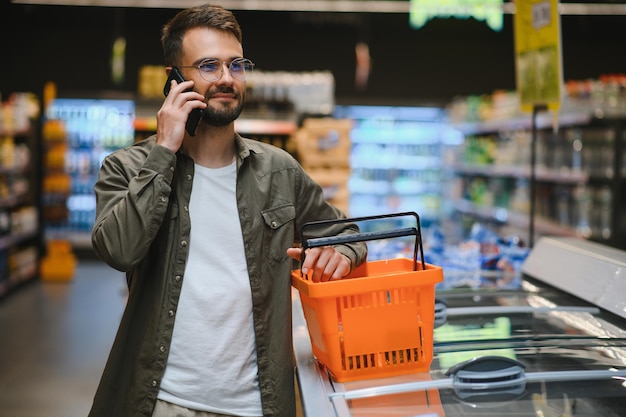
(535, 351)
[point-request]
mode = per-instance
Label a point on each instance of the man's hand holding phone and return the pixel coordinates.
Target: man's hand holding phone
(181, 109)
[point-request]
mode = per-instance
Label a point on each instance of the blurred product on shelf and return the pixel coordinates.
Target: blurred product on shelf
(606, 95)
(324, 142)
(270, 94)
(602, 97)
(484, 259)
(579, 172)
(20, 229)
(24, 221)
(18, 112)
(281, 94)
(150, 82)
(56, 183)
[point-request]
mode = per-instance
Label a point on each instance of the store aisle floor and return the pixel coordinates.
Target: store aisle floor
(55, 338)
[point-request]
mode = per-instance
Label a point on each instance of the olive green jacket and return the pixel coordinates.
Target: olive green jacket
(142, 228)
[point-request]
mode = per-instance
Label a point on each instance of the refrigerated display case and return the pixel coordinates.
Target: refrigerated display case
(94, 127)
(398, 162)
(554, 346)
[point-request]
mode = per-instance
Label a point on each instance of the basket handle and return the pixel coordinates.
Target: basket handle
(366, 236)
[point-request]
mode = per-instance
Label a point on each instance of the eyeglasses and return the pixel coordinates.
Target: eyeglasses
(212, 69)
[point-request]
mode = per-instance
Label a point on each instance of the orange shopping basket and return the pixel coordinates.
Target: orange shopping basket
(378, 321)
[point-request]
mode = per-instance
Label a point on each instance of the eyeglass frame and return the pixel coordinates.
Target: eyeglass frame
(223, 64)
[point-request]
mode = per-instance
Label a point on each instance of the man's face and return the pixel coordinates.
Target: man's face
(224, 96)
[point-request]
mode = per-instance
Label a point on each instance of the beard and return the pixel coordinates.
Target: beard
(223, 115)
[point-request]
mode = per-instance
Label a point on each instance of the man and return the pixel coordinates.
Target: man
(204, 227)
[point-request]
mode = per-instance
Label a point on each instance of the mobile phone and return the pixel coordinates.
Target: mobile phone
(196, 114)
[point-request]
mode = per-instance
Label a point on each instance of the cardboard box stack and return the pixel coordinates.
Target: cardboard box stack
(323, 148)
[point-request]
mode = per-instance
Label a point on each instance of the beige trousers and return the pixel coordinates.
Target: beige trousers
(165, 409)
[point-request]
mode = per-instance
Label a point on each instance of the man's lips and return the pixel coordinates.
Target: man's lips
(223, 96)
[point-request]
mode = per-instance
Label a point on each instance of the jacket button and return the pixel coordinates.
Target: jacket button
(154, 383)
(183, 243)
(161, 348)
(177, 278)
(274, 225)
(188, 177)
(171, 313)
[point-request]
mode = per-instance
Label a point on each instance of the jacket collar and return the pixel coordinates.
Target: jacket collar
(244, 148)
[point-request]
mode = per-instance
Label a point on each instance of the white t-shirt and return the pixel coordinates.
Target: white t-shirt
(212, 360)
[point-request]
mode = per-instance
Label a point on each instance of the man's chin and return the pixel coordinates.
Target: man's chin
(220, 119)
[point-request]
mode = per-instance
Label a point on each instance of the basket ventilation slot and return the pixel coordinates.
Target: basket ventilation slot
(390, 358)
(379, 299)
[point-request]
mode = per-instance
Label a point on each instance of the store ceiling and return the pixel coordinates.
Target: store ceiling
(362, 6)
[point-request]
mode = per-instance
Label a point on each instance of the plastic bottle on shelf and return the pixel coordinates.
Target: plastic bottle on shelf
(582, 198)
(611, 90)
(577, 154)
(563, 205)
(7, 152)
(604, 200)
(520, 200)
(597, 97)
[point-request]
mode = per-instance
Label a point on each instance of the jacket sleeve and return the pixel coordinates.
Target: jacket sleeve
(132, 196)
(312, 207)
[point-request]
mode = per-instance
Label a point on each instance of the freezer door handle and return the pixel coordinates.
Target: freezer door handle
(488, 376)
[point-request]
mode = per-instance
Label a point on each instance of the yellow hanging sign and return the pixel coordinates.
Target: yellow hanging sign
(538, 58)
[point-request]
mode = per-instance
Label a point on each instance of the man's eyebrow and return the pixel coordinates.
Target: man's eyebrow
(229, 60)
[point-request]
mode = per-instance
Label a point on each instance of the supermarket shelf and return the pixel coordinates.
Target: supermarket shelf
(20, 239)
(22, 131)
(145, 124)
(513, 219)
(10, 170)
(399, 162)
(78, 239)
(266, 127)
(28, 273)
(544, 121)
(390, 188)
(254, 126)
(16, 238)
(541, 174)
(589, 137)
(13, 200)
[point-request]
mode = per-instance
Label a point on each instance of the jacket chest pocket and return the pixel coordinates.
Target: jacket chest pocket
(279, 230)
(277, 217)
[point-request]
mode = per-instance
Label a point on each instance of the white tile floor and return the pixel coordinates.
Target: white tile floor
(54, 341)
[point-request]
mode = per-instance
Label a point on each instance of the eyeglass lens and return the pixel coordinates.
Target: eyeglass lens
(212, 69)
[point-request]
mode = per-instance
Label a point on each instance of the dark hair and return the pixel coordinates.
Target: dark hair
(207, 15)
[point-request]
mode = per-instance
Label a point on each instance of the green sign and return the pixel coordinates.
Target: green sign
(490, 11)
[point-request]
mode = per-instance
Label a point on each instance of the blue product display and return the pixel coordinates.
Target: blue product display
(483, 260)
